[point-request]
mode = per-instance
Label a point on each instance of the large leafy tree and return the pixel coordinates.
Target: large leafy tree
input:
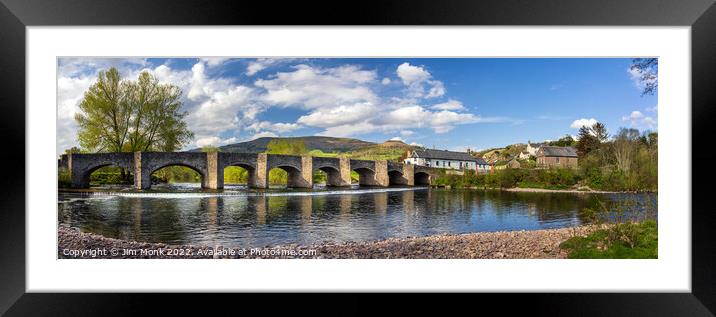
(119, 115)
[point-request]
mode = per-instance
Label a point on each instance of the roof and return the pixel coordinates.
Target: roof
(537, 144)
(563, 151)
(446, 155)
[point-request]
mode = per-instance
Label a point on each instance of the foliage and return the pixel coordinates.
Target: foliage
(642, 243)
(567, 140)
(235, 175)
(119, 115)
(210, 149)
(648, 71)
(591, 138)
(629, 230)
(287, 147)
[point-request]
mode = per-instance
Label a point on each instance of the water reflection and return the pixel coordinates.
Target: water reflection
(260, 220)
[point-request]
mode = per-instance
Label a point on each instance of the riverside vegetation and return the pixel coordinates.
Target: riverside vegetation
(628, 230)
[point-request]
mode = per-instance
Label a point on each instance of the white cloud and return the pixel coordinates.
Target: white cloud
(416, 144)
(208, 141)
(638, 119)
(412, 74)
(417, 79)
(312, 87)
(397, 138)
(577, 124)
(214, 61)
(655, 108)
(406, 132)
(262, 134)
(635, 115)
(385, 81)
(275, 127)
(346, 114)
(451, 104)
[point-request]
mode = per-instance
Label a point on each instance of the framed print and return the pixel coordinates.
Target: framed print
(195, 147)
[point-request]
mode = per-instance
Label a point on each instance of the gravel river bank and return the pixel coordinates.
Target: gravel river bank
(535, 244)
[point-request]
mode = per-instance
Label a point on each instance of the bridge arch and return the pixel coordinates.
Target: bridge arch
(150, 162)
(85, 174)
(422, 179)
(81, 166)
(396, 177)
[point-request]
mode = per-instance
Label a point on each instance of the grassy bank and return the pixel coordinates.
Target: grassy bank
(622, 241)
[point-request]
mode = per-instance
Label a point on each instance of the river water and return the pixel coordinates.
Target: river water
(240, 217)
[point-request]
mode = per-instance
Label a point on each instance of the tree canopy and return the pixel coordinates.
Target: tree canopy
(119, 115)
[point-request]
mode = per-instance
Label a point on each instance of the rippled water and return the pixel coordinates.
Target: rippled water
(236, 216)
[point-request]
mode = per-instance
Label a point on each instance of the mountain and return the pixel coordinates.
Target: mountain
(323, 143)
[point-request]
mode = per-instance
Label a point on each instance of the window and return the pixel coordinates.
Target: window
(558, 159)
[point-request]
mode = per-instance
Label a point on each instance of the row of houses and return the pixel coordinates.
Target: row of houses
(546, 157)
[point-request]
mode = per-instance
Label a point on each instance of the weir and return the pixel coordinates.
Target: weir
(211, 165)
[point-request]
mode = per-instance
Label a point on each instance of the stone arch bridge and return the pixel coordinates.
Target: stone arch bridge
(211, 168)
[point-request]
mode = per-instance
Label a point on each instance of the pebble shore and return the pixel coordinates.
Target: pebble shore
(535, 244)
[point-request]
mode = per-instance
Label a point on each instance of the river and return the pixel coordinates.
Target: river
(241, 217)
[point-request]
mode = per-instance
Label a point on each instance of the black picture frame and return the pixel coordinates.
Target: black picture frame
(15, 15)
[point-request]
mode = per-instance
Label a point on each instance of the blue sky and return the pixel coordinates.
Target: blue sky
(449, 103)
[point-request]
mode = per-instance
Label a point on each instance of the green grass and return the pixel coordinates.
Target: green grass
(597, 246)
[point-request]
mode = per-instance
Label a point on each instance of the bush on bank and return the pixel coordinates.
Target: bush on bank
(554, 178)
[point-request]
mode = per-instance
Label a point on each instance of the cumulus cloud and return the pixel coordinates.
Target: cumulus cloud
(263, 63)
(634, 115)
(451, 104)
(385, 81)
(346, 114)
(637, 119)
(208, 141)
(417, 80)
(314, 87)
(397, 138)
(275, 127)
(576, 124)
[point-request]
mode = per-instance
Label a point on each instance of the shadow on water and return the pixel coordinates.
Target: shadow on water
(248, 218)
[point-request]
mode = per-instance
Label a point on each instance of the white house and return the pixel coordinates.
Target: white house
(532, 148)
(446, 159)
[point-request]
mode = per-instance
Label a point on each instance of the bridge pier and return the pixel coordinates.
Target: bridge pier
(381, 173)
(215, 172)
(303, 178)
(261, 178)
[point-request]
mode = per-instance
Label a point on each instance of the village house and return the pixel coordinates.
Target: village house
(532, 148)
(446, 159)
(509, 163)
(556, 156)
(524, 155)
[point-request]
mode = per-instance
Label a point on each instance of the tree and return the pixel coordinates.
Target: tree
(600, 132)
(288, 147)
(587, 142)
(210, 149)
(125, 116)
(567, 140)
(73, 150)
(648, 71)
(626, 144)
